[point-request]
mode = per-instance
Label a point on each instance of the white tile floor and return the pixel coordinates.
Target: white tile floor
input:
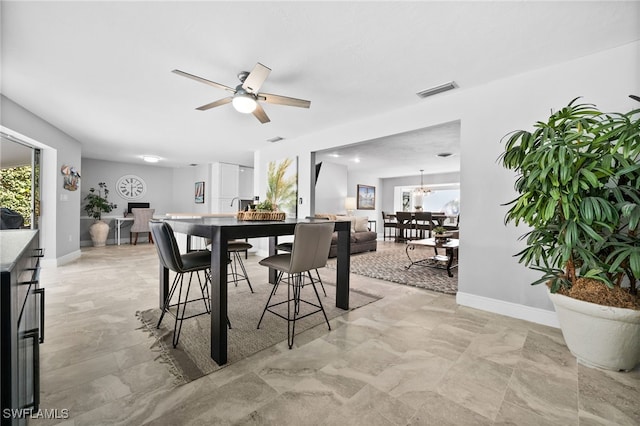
(412, 358)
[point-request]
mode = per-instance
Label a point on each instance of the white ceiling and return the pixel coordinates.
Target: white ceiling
(14, 154)
(101, 71)
(403, 154)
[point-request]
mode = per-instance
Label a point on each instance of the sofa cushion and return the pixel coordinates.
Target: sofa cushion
(334, 238)
(364, 236)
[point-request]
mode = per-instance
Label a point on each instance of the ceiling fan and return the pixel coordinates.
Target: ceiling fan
(246, 95)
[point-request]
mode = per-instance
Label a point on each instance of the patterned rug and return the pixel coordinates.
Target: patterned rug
(191, 358)
(389, 263)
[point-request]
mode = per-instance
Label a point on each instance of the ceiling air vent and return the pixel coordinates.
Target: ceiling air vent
(437, 89)
(275, 139)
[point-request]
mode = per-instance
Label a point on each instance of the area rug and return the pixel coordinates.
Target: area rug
(191, 359)
(389, 263)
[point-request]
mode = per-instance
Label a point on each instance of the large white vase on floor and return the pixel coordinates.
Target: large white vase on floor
(597, 335)
(99, 232)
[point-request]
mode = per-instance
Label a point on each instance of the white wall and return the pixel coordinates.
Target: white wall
(489, 270)
(159, 182)
(159, 192)
(489, 277)
(184, 181)
(388, 204)
(59, 231)
(356, 179)
(331, 188)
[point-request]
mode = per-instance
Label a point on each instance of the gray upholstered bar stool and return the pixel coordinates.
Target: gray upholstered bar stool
(181, 264)
(234, 248)
(311, 244)
(286, 247)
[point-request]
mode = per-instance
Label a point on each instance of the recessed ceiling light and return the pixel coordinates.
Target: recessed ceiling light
(437, 89)
(150, 158)
(445, 154)
(356, 160)
(334, 155)
(275, 139)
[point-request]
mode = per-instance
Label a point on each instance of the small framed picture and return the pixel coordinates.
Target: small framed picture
(199, 193)
(366, 197)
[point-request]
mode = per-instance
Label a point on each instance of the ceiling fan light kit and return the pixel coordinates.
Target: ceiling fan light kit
(244, 102)
(246, 95)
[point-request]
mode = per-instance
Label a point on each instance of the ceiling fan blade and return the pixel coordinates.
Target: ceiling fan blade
(260, 114)
(254, 80)
(283, 100)
(204, 80)
(217, 103)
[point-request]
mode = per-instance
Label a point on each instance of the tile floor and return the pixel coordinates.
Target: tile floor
(412, 358)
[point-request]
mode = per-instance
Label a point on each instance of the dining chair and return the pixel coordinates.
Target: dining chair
(181, 264)
(310, 250)
(389, 222)
(406, 226)
(424, 224)
(141, 218)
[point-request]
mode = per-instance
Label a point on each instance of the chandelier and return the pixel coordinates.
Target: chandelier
(420, 193)
(422, 189)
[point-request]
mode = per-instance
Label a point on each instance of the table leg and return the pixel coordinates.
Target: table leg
(450, 262)
(118, 224)
(343, 267)
(273, 242)
(164, 285)
(219, 298)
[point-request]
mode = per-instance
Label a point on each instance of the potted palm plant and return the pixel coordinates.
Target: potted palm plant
(578, 187)
(97, 203)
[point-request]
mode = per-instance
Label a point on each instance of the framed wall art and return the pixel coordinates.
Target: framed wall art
(199, 193)
(282, 185)
(366, 197)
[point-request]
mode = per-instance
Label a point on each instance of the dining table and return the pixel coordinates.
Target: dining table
(220, 230)
(437, 217)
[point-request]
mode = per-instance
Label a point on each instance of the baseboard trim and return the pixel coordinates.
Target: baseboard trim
(514, 310)
(62, 260)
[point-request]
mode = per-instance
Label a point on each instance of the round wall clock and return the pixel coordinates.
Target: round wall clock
(131, 187)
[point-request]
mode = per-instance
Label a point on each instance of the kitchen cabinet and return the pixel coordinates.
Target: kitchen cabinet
(21, 325)
(229, 184)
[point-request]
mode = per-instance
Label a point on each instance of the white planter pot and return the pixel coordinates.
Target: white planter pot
(599, 336)
(99, 232)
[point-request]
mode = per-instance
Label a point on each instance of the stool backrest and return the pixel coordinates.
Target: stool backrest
(311, 244)
(166, 245)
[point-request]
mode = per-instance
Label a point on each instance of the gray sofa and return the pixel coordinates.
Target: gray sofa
(362, 239)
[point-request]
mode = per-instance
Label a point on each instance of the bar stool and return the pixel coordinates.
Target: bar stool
(234, 248)
(287, 248)
(310, 250)
(181, 264)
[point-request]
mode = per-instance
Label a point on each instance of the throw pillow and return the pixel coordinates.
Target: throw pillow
(362, 224)
(350, 218)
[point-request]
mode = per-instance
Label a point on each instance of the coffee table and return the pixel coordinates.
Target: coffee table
(437, 261)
